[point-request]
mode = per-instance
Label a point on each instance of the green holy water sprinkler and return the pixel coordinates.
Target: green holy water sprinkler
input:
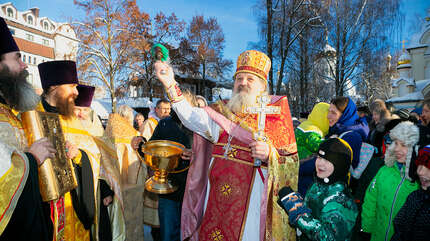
(159, 52)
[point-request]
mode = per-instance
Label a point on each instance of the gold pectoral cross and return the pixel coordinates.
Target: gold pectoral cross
(261, 110)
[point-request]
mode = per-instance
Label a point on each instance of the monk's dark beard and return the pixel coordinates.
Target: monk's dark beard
(16, 91)
(65, 106)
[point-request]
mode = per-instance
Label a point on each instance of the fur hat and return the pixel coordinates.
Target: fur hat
(408, 133)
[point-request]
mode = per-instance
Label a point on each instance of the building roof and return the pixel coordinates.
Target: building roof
(421, 84)
(34, 48)
(411, 97)
(409, 81)
(103, 107)
(227, 84)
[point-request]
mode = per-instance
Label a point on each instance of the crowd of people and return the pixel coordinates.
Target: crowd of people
(384, 183)
(341, 173)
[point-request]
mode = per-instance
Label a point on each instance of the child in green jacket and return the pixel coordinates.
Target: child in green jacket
(392, 184)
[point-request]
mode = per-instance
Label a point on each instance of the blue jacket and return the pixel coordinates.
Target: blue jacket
(350, 121)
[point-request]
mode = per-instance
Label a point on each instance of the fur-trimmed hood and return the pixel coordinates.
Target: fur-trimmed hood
(408, 133)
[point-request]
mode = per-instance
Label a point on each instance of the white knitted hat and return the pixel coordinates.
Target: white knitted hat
(408, 133)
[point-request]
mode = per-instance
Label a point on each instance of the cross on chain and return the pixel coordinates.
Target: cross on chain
(261, 110)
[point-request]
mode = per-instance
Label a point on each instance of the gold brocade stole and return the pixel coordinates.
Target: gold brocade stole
(120, 132)
(231, 178)
(16, 138)
(153, 120)
(75, 133)
(14, 177)
(103, 160)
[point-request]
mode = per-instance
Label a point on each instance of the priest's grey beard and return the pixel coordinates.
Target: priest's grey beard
(241, 99)
(17, 92)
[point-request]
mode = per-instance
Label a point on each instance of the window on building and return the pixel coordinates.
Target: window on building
(29, 37)
(29, 19)
(29, 59)
(34, 60)
(45, 42)
(12, 31)
(45, 25)
(23, 58)
(10, 12)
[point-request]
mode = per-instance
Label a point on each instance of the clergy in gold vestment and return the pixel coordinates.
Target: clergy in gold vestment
(91, 133)
(23, 215)
(83, 214)
(120, 131)
(84, 113)
(229, 195)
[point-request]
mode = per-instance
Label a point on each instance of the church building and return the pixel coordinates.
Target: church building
(413, 83)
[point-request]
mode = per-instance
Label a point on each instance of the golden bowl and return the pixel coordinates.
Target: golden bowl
(162, 156)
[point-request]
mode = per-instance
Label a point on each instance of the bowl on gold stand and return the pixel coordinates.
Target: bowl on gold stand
(163, 157)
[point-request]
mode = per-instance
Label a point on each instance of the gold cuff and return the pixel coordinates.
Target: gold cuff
(77, 159)
(174, 93)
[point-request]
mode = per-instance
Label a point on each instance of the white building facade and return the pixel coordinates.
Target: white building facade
(413, 84)
(40, 39)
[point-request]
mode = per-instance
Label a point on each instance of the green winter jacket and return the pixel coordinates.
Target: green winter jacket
(310, 133)
(307, 142)
(333, 213)
(384, 197)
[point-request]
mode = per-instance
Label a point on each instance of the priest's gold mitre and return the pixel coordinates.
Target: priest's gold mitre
(254, 62)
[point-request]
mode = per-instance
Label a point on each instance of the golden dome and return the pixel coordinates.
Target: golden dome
(405, 58)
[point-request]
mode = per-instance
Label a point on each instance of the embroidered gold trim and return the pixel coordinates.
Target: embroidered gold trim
(235, 146)
(174, 93)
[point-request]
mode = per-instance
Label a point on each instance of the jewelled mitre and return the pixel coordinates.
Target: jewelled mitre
(254, 62)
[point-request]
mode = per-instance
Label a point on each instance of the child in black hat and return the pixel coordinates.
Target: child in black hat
(328, 211)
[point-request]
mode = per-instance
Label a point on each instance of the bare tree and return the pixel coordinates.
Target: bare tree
(105, 42)
(203, 46)
(377, 80)
(281, 24)
(358, 28)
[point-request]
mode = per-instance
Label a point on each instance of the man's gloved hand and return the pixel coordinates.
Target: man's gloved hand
(292, 203)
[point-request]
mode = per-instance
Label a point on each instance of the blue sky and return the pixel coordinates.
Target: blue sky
(235, 16)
